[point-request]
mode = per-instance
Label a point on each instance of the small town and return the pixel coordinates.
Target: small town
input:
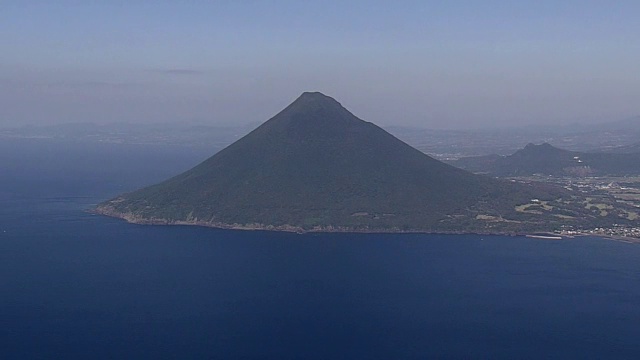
(616, 232)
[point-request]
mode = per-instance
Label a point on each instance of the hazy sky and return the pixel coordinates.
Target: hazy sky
(426, 63)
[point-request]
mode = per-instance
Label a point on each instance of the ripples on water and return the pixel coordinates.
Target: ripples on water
(75, 285)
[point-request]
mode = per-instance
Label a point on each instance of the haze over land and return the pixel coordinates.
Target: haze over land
(175, 113)
(454, 64)
(616, 136)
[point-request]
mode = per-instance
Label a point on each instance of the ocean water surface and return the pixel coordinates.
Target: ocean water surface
(77, 286)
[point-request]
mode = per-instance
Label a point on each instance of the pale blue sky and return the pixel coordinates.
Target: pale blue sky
(425, 63)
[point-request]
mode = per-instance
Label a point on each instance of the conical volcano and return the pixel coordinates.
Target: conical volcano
(316, 167)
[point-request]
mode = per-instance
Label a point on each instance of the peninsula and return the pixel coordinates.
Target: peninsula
(317, 167)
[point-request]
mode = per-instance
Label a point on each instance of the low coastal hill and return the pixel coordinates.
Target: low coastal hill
(546, 159)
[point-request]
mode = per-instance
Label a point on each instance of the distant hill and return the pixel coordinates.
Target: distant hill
(549, 160)
(317, 167)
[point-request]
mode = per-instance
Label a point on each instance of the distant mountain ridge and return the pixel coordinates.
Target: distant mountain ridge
(549, 160)
(316, 167)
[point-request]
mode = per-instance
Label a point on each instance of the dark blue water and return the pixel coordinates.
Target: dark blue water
(78, 286)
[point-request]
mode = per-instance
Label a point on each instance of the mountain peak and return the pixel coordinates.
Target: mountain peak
(313, 114)
(314, 94)
(315, 99)
(544, 145)
(542, 148)
(315, 166)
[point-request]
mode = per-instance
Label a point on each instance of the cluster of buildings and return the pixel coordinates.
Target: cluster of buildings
(617, 231)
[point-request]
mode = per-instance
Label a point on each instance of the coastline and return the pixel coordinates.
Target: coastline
(136, 219)
(550, 236)
(539, 235)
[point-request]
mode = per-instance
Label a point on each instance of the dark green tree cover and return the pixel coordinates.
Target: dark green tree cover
(315, 166)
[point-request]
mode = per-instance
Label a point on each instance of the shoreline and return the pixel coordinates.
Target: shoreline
(135, 219)
(539, 235)
(549, 236)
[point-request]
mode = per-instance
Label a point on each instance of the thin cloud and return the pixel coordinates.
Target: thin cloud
(181, 72)
(98, 84)
(66, 84)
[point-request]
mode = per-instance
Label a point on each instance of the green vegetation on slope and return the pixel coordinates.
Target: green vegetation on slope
(315, 166)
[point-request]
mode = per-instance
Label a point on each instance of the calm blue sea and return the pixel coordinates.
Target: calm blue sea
(79, 286)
